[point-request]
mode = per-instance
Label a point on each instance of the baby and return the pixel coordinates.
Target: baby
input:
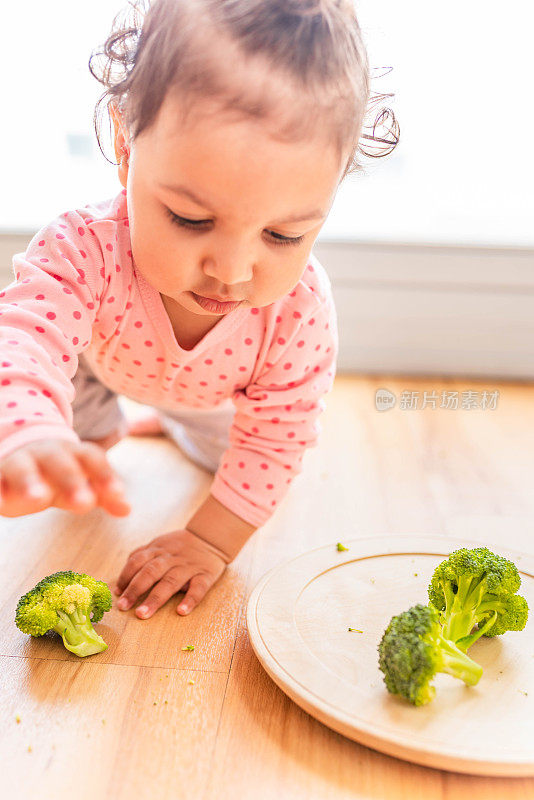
(193, 290)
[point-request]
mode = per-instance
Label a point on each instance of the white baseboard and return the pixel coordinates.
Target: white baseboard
(429, 310)
(419, 309)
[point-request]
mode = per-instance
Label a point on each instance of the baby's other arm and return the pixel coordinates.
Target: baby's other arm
(220, 527)
(190, 559)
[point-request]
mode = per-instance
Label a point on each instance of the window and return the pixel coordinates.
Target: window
(462, 173)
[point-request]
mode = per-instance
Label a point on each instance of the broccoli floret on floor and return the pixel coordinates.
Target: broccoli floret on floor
(68, 603)
(413, 649)
(477, 587)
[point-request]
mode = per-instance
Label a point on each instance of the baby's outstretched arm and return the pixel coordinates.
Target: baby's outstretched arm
(191, 560)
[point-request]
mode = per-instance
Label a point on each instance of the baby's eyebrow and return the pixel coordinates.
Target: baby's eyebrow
(315, 213)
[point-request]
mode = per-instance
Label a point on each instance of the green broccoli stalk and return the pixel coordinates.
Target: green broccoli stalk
(67, 603)
(413, 649)
(477, 587)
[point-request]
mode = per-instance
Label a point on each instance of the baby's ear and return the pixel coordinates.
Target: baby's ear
(120, 134)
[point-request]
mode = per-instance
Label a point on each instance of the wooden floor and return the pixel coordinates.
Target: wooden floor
(130, 723)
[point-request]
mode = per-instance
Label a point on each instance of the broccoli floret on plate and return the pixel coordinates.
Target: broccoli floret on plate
(413, 650)
(477, 587)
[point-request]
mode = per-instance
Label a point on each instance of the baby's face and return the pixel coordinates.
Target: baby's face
(246, 186)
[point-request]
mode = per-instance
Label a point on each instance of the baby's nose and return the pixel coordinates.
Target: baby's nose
(230, 268)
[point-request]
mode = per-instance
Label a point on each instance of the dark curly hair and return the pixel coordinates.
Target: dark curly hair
(307, 59)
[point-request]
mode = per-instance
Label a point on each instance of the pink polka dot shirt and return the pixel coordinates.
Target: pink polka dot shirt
(77, 289)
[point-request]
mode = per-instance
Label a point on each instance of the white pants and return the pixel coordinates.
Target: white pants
(201, 433)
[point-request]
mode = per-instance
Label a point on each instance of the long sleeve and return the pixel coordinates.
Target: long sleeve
(46, 318)
(277, 417)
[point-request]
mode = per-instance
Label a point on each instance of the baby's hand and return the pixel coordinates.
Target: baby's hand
(177, 561)
(75, 476)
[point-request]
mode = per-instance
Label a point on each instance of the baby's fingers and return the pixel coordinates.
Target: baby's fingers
(137, 559)
(72, 490)
(198, 587)
(23, 489)
(173, 581)
(104, 482)
(142, 570)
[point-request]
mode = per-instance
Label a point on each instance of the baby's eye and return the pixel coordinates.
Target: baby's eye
(286, 239)
(197, 223)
